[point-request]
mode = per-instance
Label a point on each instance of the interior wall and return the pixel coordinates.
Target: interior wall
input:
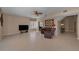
(0, 29)
(57, 26)
(70, 23)
(10, 25)
(77, 27)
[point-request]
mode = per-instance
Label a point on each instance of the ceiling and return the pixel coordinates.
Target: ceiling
(24, 11)
(28, 11)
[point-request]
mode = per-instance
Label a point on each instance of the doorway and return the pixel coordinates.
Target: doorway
(68, 24)
(33, 25)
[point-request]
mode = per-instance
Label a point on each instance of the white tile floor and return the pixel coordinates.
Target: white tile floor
(34, 41)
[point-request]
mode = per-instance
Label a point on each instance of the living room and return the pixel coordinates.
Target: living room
(30, 28)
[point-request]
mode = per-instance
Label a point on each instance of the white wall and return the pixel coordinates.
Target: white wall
(78, 27)
(0, 29)
(11, 23)
(57, 23)
(57, 26)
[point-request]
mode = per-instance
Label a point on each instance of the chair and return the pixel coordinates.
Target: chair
(53, 31)
(49, 33)
(43, 30)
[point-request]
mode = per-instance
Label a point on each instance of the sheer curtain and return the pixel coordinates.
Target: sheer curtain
(33, 24)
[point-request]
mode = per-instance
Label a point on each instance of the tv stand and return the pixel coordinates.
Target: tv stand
(24, 31)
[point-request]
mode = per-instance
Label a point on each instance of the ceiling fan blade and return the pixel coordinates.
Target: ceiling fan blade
(40, 13)
(37, 13)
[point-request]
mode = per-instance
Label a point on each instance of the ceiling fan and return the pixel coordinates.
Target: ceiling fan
(37, 13)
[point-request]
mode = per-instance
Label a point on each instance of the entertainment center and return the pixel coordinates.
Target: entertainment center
(23, 28)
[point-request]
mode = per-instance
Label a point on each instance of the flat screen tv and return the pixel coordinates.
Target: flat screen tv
(23, 27)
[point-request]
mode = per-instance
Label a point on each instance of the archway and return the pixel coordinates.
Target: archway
(68, 24)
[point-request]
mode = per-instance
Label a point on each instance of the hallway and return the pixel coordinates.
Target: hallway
(34, 41)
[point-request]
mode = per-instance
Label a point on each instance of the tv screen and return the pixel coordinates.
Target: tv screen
(23, 27)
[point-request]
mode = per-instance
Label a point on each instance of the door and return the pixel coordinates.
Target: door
(33, 25)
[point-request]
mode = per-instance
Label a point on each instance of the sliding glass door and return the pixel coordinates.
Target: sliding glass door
(33, 25)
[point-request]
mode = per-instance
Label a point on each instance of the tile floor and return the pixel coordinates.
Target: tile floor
(35, 41)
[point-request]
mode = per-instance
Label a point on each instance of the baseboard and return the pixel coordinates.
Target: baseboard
(11, 34)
